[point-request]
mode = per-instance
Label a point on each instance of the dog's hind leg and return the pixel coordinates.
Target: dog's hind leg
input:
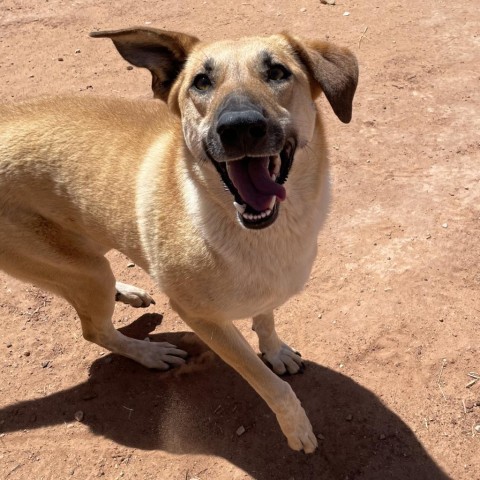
(276, 353)
(136, 297)
(75, 268)
(95, 305)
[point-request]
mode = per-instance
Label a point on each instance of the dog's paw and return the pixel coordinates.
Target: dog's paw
(136, 297)
(160, 355)
(297, 428)
(284, 360)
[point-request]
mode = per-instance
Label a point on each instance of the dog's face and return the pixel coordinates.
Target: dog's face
(246, 105)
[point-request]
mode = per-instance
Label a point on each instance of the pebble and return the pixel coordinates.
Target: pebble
(303, 10)
(130, 265)
(27, 353)
(77, 50)
(445, 225)
(60, 59)
(346, 14)
(45, 364)
(469, 404)
(9, 345)
(240, 430)
(328, 2)
(477, 428)
(129, 67)
(79, 416)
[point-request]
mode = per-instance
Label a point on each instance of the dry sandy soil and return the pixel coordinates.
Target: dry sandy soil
(389, 321)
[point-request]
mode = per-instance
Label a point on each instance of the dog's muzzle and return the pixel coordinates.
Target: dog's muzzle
(255, 160)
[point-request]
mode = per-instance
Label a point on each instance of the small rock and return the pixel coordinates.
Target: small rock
(469, 404)
(77, 50)
(27, 353)
(240, 430)
(346, 14)
(303, 10)
(319, 315)
(79, 416)
(477, 428)
(320, 436)
(9, 344)
(428, 236)
(328, 2)
(129, 67)
(60, 59)
(444, 225)
(349, 418)
(130, 265)
(45, 364)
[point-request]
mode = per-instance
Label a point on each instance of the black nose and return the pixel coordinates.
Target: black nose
(243, 129)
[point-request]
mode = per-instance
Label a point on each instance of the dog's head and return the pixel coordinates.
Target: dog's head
(246, 105)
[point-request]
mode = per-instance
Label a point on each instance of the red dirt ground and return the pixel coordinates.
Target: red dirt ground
(390, 319)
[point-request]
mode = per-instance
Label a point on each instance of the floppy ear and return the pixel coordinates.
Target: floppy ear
(161, 51)
(332, 69)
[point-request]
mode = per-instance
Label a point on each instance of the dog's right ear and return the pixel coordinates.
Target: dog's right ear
(161, 51)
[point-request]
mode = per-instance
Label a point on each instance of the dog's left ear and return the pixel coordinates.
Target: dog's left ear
(332, 69)
(161, 51)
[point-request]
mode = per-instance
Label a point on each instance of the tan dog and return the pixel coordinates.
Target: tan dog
(187, 191)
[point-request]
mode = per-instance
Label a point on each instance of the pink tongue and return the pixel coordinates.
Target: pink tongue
(252, 180)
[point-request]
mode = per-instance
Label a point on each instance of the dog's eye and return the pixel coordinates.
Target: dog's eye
(277, 73)
(202, 82)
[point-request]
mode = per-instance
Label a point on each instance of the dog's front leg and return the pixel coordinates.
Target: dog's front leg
(224, 339)
(276, 353)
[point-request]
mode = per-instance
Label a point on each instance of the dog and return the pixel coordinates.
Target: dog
(218, 191)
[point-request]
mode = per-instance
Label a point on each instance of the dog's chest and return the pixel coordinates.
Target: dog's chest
(260, 271)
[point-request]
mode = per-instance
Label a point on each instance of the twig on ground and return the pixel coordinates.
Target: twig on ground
(362, 36)
(444, 362)
(476, 378)
(130, 410)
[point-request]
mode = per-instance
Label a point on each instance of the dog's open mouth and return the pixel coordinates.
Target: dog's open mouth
(257, 185)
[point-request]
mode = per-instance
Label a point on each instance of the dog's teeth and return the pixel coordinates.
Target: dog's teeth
(272, 203)
(240, 208)
(276, 165)
(268, 212)
(263, 214)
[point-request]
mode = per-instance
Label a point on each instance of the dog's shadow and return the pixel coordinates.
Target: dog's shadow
(199, 408)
